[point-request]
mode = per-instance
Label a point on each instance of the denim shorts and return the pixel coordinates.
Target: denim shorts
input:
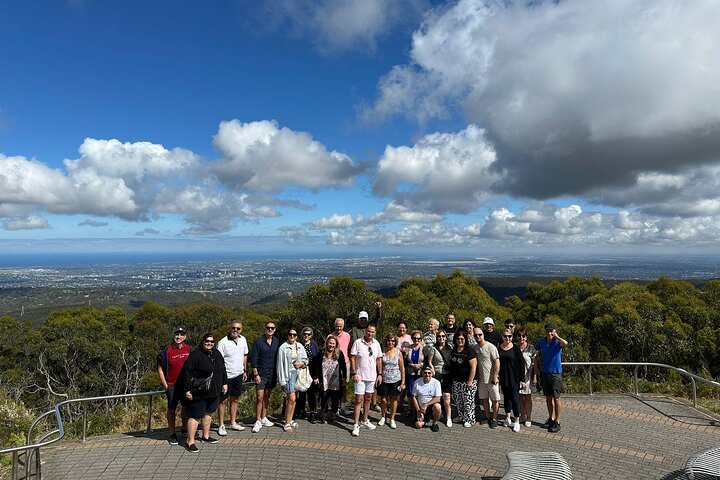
(289, 387)
(172, 399)
(201, 407)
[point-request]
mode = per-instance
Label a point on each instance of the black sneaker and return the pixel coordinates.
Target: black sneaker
(492, 423)
(547, 423)
(173, 440)
(434, 428)
(554, 428)
(209, 440)
(192, 448)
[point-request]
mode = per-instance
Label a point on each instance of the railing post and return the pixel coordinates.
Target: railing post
(37, 464)
(635, 378)
(149, 415)
(590, 378)
(15, 461)
(84, 427)
(694, 392)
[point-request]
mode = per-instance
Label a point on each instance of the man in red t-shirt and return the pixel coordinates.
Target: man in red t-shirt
(169, 363)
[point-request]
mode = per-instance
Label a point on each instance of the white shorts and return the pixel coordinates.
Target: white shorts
(364, 386)
(488, 390)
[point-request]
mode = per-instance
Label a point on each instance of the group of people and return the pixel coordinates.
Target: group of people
(448, 365)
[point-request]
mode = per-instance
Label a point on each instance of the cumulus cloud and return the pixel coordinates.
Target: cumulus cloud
(262, 156)
(574, 96)
(335, 221)
(25, 223)
(340, 25)
(442, 172)
(92, 223)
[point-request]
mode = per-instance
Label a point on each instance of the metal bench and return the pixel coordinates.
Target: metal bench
(537, 466)
(704, 465)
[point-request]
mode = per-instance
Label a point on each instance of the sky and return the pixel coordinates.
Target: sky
(371, 125)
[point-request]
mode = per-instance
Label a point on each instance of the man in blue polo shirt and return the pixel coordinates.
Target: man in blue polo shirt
(550, 348)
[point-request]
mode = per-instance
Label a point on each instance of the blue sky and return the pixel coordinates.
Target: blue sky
(366, 124)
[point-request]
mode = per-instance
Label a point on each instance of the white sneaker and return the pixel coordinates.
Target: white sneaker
(516, 427)
(266, 422)
(368, 425)
(222, 431)
(256, 428)
(507, 422)
(448, 423)
(293, 424)
(381, 422)
(467, 424)
(393, 425)
(528, 423)
(237, 426)
(356, 430)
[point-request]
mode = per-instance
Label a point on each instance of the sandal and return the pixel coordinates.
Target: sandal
(287, 427)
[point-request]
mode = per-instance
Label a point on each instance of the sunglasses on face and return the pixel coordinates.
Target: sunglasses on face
(441, 336)
(390, 341)
(236, 329)
(306, 334)
(292, 334)
(269, 328)
(478, 335)
(417, 339)
(209, 341)
(507, 336)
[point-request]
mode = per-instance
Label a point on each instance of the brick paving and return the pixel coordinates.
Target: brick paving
(602, 437)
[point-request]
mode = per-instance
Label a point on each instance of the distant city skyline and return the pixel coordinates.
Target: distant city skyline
(373, 127)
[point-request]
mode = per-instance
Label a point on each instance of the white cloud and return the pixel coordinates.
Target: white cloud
(442, 172)
(393, 212)
(262, 156)
(335, 221)
(574, 96)
(341, 25)
(25, 223)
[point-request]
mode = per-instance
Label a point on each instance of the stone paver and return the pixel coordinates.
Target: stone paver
(602, 437)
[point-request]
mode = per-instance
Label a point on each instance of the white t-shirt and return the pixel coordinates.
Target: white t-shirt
(366, 355)
(233, 353)
(424, 392)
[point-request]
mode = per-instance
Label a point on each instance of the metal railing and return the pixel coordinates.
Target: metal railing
(693, 378)
(31, 463)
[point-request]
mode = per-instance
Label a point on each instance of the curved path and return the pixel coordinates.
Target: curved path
(602, 437)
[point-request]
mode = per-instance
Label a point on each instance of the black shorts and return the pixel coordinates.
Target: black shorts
(389, 389)
(552, 384)
(172, 399)
(446, 382)
(200, 407)
(235, 387)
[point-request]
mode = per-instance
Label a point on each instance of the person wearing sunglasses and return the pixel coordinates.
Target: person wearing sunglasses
(512, 378)
(550, 349)
(529, 353)
(308, 397)
(202, 395)
(263, 356)
(234, 349)
(366, 370)
(393, 379)
(414, 362)
(426, 400)
(291, 358)
(441, 365)
(488, 368)
(169, 365)
(462, 371)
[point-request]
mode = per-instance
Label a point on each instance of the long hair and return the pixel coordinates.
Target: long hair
(336, 352)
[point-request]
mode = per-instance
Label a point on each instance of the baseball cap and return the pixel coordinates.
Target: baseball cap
(179, 329)
(488, 320)
(363, 314)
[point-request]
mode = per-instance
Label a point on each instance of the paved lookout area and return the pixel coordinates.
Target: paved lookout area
(602, 437)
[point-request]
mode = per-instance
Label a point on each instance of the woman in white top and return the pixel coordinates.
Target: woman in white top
(291, 357)
(529, 353)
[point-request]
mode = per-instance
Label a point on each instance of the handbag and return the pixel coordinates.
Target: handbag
(304, 380)
(200, 385)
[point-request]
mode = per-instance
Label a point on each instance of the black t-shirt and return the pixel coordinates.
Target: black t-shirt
(460, 364)
(495, 337)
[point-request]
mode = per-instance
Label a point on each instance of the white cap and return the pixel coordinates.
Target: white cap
(363, 314)
(488, 320)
